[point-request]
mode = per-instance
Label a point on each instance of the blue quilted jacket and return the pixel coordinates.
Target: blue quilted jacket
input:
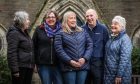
(118, 59)
(73, 46)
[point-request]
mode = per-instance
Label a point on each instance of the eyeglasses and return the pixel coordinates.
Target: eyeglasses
(51, 17)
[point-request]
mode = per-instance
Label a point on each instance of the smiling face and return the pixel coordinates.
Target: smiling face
(51, 19)
(71, 21)
(91, 17)
(116, 27)
(26, 23)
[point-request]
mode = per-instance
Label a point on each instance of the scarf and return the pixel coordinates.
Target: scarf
(51, 32)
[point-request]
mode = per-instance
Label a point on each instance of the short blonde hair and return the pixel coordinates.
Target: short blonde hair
(65, 26)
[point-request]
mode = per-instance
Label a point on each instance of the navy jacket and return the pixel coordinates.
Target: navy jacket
(99, 36)
(73, 47)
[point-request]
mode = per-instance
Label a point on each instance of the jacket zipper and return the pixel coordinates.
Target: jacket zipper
(51, 50)
(31, 52)
(77, 43)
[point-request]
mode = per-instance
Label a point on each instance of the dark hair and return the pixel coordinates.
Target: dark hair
(51, 11)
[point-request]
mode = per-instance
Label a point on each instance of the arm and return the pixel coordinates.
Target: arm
(35, 43)
(105, 38)
(12, 51)
(125, 56)
(59, 48)
(89, 47)
(105, 35)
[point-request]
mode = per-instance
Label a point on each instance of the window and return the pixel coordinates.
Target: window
(0, 43)
(3, 44)
(136, 38)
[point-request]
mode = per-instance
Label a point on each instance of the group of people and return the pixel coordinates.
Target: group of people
(64, 53)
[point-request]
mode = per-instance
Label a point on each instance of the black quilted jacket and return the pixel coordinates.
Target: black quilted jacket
(20, 49)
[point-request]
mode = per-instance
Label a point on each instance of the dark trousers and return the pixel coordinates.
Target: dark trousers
(25, 76)
(96, 73)
(89, 78)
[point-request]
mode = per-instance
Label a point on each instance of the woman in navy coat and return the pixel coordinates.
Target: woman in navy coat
(74, 48)
(118, 54)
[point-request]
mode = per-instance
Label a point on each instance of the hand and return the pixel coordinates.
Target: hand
(35, 69)
(118, 80)
(75, 64)
(81, 61)
(16, 74)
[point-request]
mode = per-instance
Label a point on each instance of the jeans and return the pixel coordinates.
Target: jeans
(97, 69)
(50, 74)
(75, 77)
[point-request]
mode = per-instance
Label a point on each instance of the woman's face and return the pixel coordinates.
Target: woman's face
(115, 27)
(26, 23)
(51, 19)
(71, 20)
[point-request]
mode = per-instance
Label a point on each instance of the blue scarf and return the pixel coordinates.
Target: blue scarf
(51, 32)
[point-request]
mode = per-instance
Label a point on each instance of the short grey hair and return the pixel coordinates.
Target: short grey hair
(121, 20)
(20, 17)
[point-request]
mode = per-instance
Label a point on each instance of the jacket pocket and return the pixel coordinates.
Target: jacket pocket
(24, 57)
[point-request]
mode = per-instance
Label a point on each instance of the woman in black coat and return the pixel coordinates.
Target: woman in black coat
(45, 57)
(20, 50)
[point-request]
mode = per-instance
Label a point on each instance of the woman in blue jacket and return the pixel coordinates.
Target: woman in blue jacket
(118, 54)
(74, 48)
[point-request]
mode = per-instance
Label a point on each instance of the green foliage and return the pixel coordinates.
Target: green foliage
(4, 70)
(136, 61)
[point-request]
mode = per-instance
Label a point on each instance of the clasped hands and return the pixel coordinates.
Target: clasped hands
(77, 64)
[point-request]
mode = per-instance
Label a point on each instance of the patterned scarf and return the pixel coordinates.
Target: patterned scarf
(51, 32)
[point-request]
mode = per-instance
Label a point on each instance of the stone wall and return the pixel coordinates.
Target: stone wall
(9, 7)
(127, 8)
(107, 9)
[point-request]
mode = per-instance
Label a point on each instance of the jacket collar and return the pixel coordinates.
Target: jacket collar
(119, 35)
(97, 23)
(14, 27)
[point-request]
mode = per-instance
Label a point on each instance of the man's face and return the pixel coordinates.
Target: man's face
(91, 17)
